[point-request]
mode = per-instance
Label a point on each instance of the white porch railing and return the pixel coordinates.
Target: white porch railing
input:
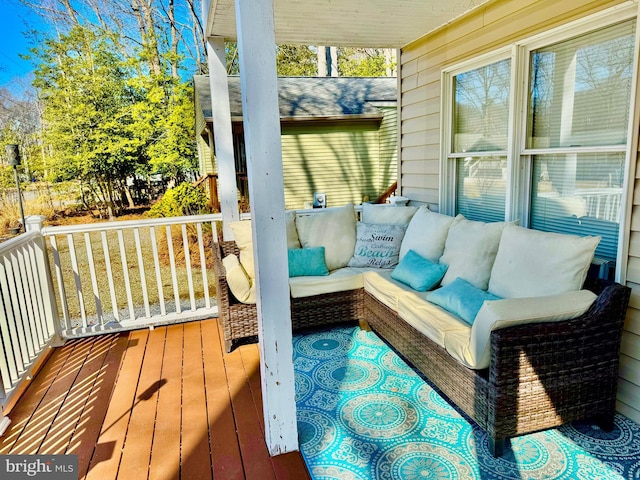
(131, 274)
(28, 311)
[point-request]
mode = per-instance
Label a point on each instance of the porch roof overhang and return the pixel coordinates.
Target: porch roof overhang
(352, 23)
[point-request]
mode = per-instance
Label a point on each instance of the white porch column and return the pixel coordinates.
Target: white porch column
(258, 79)
(222, 133)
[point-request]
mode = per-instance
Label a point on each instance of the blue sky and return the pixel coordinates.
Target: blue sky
(15, 19)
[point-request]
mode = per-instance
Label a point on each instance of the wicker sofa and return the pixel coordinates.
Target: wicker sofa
(539, 375)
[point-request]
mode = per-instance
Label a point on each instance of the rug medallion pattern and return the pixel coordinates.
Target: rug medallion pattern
(364, 414)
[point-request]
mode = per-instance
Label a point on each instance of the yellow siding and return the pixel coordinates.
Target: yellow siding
(340, 161)
(497, 24)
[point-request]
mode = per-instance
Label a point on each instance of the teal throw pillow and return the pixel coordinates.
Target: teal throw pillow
(461, 298)
(418, 272)
(307, 262)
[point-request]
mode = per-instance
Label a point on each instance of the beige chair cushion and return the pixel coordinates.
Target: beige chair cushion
(340, 280)
(239, 282)
(470, 251)
(426, 234)
(332, 228)
(473, 348)
(531, 263)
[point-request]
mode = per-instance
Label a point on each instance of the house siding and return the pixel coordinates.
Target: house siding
(497, 24)
(205, 155)
(388, 159)
(341, 160)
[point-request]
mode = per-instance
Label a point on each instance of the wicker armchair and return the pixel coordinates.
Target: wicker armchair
(540, 376)
(239, 320)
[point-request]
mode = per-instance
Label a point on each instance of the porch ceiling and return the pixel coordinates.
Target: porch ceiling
(353, 23)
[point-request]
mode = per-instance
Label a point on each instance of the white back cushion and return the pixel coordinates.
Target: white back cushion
(334, 229)
(426, 234)
(531, 263)
(470, 251)
(387, 214)
(242, 234)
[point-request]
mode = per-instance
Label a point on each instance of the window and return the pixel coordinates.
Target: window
(566, 173)
(479, 140)
(579, 92)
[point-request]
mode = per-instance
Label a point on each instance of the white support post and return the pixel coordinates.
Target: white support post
(222, 134)
(258, 79)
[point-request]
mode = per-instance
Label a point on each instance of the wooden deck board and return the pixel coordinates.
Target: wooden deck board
(161, 404)
(195, 428)
(106, 457)
(22, 412)
(89, 426)
(39, 423)
(225, 450)
(165, 452)
(136, 454)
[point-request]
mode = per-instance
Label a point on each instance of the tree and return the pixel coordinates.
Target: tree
(363, 62)
(83, 86)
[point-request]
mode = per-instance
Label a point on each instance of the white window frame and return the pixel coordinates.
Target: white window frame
(519, 164)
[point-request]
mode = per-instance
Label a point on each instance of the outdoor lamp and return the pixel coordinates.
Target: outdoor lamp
(13, 156)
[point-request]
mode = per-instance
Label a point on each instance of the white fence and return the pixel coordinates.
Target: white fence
(130, 274)
(27, 310)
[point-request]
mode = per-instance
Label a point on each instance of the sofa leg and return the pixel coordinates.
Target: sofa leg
(496, 446)
(228, 345)
(364, 325)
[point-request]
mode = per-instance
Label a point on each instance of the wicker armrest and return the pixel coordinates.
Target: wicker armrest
(577, 341)
(223, 294)
(569, 368)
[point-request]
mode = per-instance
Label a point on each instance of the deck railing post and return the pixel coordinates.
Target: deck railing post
(34, 223)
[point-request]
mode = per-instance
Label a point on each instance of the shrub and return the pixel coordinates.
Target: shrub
(185, 199)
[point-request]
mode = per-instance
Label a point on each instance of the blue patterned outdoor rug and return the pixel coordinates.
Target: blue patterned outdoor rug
(364, 414)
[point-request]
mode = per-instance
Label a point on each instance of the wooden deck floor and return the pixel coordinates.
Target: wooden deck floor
(160, 404)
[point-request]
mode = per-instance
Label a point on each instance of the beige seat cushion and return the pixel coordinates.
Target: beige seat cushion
(385, 289)
(429, 319)
(332, 228)
(473, 348)
(340, 280)
(239, 282)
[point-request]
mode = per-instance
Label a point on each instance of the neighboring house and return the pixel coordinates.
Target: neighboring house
(339, 136)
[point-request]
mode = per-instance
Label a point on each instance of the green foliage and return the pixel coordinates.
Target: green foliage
(185, 199)
(106, 120)
(362, 62)
(296, 61)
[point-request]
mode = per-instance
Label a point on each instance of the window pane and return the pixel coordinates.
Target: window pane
(482, 187)
(580, 89)
(579, 194)
(481, 108)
